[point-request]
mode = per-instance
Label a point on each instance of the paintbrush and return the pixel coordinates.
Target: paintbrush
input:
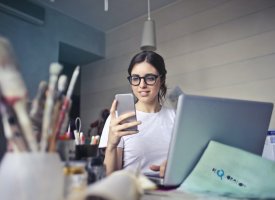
(11, 129)
(72, 82)
(61, 87)
(67, 100)
(55, 70)
(7, 128)
(65, 107)
(37, 103)
(14, 91)
(37, 107)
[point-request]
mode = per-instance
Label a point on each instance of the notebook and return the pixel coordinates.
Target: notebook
(199, 119)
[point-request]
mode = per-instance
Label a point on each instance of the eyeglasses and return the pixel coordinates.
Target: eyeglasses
(149, 79)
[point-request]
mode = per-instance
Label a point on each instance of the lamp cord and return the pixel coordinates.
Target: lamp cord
(149, 17)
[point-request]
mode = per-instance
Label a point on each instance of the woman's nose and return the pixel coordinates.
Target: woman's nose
(142, 83)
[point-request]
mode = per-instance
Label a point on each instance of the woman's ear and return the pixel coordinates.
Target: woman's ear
(162, 81)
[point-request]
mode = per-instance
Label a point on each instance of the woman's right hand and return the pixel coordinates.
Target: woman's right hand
(117, 128)
(159, 168)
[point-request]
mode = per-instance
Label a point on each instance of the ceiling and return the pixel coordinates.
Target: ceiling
(91, 12)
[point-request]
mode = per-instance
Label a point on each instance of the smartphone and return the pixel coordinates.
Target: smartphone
(125, 104)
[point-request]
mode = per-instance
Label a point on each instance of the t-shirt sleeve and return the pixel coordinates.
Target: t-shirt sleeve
(105, 133)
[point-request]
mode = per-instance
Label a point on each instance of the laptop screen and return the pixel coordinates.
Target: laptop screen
(199, 119)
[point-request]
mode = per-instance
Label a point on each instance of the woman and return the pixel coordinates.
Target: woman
(147, 148)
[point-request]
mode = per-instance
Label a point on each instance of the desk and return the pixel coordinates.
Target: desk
(159, 195)
(126, 190)
(177, 195)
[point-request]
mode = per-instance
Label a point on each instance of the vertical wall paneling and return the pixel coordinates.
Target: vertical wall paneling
(211, 47)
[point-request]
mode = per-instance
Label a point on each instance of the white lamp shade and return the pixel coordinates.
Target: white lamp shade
(148, 40)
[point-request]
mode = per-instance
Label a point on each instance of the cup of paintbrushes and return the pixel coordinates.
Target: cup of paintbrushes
(32, 175)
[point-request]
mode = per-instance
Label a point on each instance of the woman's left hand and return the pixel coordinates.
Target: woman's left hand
(161, 168)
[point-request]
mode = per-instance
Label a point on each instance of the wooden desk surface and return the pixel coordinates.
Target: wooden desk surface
(177, 195)
(159, 195)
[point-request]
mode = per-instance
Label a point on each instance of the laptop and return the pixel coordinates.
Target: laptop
(199, 119)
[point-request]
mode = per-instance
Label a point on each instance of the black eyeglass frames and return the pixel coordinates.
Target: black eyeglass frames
(149, 79)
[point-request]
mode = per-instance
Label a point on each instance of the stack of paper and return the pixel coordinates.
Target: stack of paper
(228, 171)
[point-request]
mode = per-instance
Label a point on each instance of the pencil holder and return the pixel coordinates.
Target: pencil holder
(28, 176)
(84, 151)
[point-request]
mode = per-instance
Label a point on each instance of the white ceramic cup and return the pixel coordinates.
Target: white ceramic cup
(28, 176)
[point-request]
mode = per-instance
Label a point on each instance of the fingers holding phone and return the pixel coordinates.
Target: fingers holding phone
(126, 125)
(123, 120)
(126, 111)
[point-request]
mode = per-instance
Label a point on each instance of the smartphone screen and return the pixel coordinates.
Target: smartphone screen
(125, 104)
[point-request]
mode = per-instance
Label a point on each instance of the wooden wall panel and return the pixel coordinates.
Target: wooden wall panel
(211, 47)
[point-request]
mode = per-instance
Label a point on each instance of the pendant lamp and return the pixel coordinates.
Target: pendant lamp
(148, 40)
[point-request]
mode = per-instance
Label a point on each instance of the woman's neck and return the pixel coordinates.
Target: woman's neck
(148, 107)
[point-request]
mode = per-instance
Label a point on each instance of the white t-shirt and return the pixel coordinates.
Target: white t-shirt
(150, 145)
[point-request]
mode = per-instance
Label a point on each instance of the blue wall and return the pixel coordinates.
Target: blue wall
(38, 46)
